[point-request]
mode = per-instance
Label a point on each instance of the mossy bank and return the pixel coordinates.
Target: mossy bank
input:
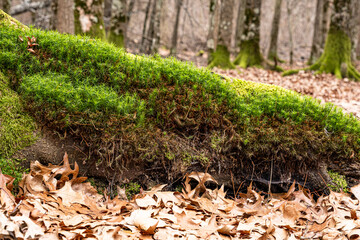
(151, 119)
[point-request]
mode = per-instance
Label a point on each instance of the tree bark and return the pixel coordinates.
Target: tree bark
(27, 6)
(5, 5)
(65, 16)
(321, 27)
(336, 58)
(250, 54)
(354, 26)
(272, 54)
(213, 27)
(119, 19)
(89, 18)
(221, 56)
(176, 28)
(152, 39)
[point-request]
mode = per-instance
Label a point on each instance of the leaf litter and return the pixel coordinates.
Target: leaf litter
(54, 203)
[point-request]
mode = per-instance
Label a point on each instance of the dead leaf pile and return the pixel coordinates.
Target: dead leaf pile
(54, 203)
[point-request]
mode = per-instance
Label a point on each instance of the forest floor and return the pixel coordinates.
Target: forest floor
(51, 207)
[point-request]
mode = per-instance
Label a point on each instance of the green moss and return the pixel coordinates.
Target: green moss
(249, 54)
(6, 19)
(16, 127)
(336, 58)
(117, 39)
(339, 183)
(12, 167)
(221, 58)
(290, 72)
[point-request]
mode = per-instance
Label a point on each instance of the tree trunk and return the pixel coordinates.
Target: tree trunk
(250, 54)
(272, 54)
(221, 56)
(213, 27)
(336, 58)
(355, 22)
(147, 14)
(152, 39)
(320, 29)
(65, 16)
(119, 19)
(176, 27)
(89, 18)
(240, 22)
(5, 5)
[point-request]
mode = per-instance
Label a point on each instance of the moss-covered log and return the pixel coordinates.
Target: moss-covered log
(336, 58)
(151, 120)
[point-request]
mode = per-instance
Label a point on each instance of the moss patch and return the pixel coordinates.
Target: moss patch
(249, 54)
(16, 127)
(221, 58)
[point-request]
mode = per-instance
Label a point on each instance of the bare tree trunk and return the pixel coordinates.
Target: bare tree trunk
(5, 5)
(176, 27)
(65, 16)
(213, 27)
(355, 22)
(272, 54)
(89, 18)
(288, 10)
(152, 40)
(321, 28)
(147, 13)
(240, 22)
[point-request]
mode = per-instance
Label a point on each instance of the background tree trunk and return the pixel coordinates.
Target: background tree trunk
(89, 18)
(250, 54)
(152, 39)
(214, 15)
(176, 27)
(119, 18)
(321, 27)
(5, 5)
(354, 26)
(221, 56)
(272, 54)
(65, 16)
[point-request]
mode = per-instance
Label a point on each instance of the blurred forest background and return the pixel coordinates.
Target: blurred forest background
(184, 25)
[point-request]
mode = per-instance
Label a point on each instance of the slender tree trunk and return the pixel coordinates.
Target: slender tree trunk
(152, 39)
(272, 54)
(214, 7)
(65, 16)
(176, 27)
(250, 54)
(147, 14)
(320, 29)
(89, 18)
(240, 22)
(355, 22)
(288, 10)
